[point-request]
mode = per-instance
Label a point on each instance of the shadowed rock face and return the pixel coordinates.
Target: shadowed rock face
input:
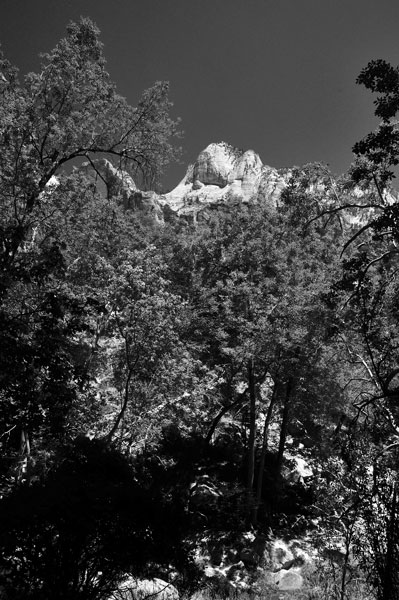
(109, 180)
(112, 182)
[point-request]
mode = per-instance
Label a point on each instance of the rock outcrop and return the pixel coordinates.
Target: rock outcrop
(221, 177)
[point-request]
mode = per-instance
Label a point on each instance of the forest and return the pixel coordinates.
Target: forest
(213, 404)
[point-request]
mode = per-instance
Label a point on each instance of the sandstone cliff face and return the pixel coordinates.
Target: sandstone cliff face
(221, 177)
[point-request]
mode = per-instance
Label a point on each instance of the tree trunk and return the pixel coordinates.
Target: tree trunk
(284, 427)
(263, 458)
(221, 414)
(252, 434)
(24, 470)
(122, 411)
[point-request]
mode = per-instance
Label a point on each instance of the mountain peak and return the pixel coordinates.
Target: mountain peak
(221, 174)
(220, 164)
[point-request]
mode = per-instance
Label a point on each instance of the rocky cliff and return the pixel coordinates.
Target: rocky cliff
(222, 176)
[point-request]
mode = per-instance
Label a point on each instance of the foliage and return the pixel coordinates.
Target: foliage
(256, 289)
(205, 361)
(75, 533)
(58, 238)
(380, 148)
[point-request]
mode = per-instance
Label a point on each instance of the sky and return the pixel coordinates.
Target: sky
(275, 76)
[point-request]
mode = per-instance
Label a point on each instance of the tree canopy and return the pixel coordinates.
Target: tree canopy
(162, 383)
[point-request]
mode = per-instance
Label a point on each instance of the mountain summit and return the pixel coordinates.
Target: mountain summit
(221, 176)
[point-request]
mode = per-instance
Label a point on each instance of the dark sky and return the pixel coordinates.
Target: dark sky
(277, 76)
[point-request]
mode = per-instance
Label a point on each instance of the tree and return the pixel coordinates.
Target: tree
(380, 148)
(370, 275)
(369, 334)
(50, 309)
(259, 319)
(377, 154)
(146, 317)
(70, 110)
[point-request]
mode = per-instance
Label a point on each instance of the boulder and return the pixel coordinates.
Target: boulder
(288, 580)
(205, 492)
(287, 562)
(280, 554)
(298, 469)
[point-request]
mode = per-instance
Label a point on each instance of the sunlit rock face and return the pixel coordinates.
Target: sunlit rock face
(214, 166)
(223, 176)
